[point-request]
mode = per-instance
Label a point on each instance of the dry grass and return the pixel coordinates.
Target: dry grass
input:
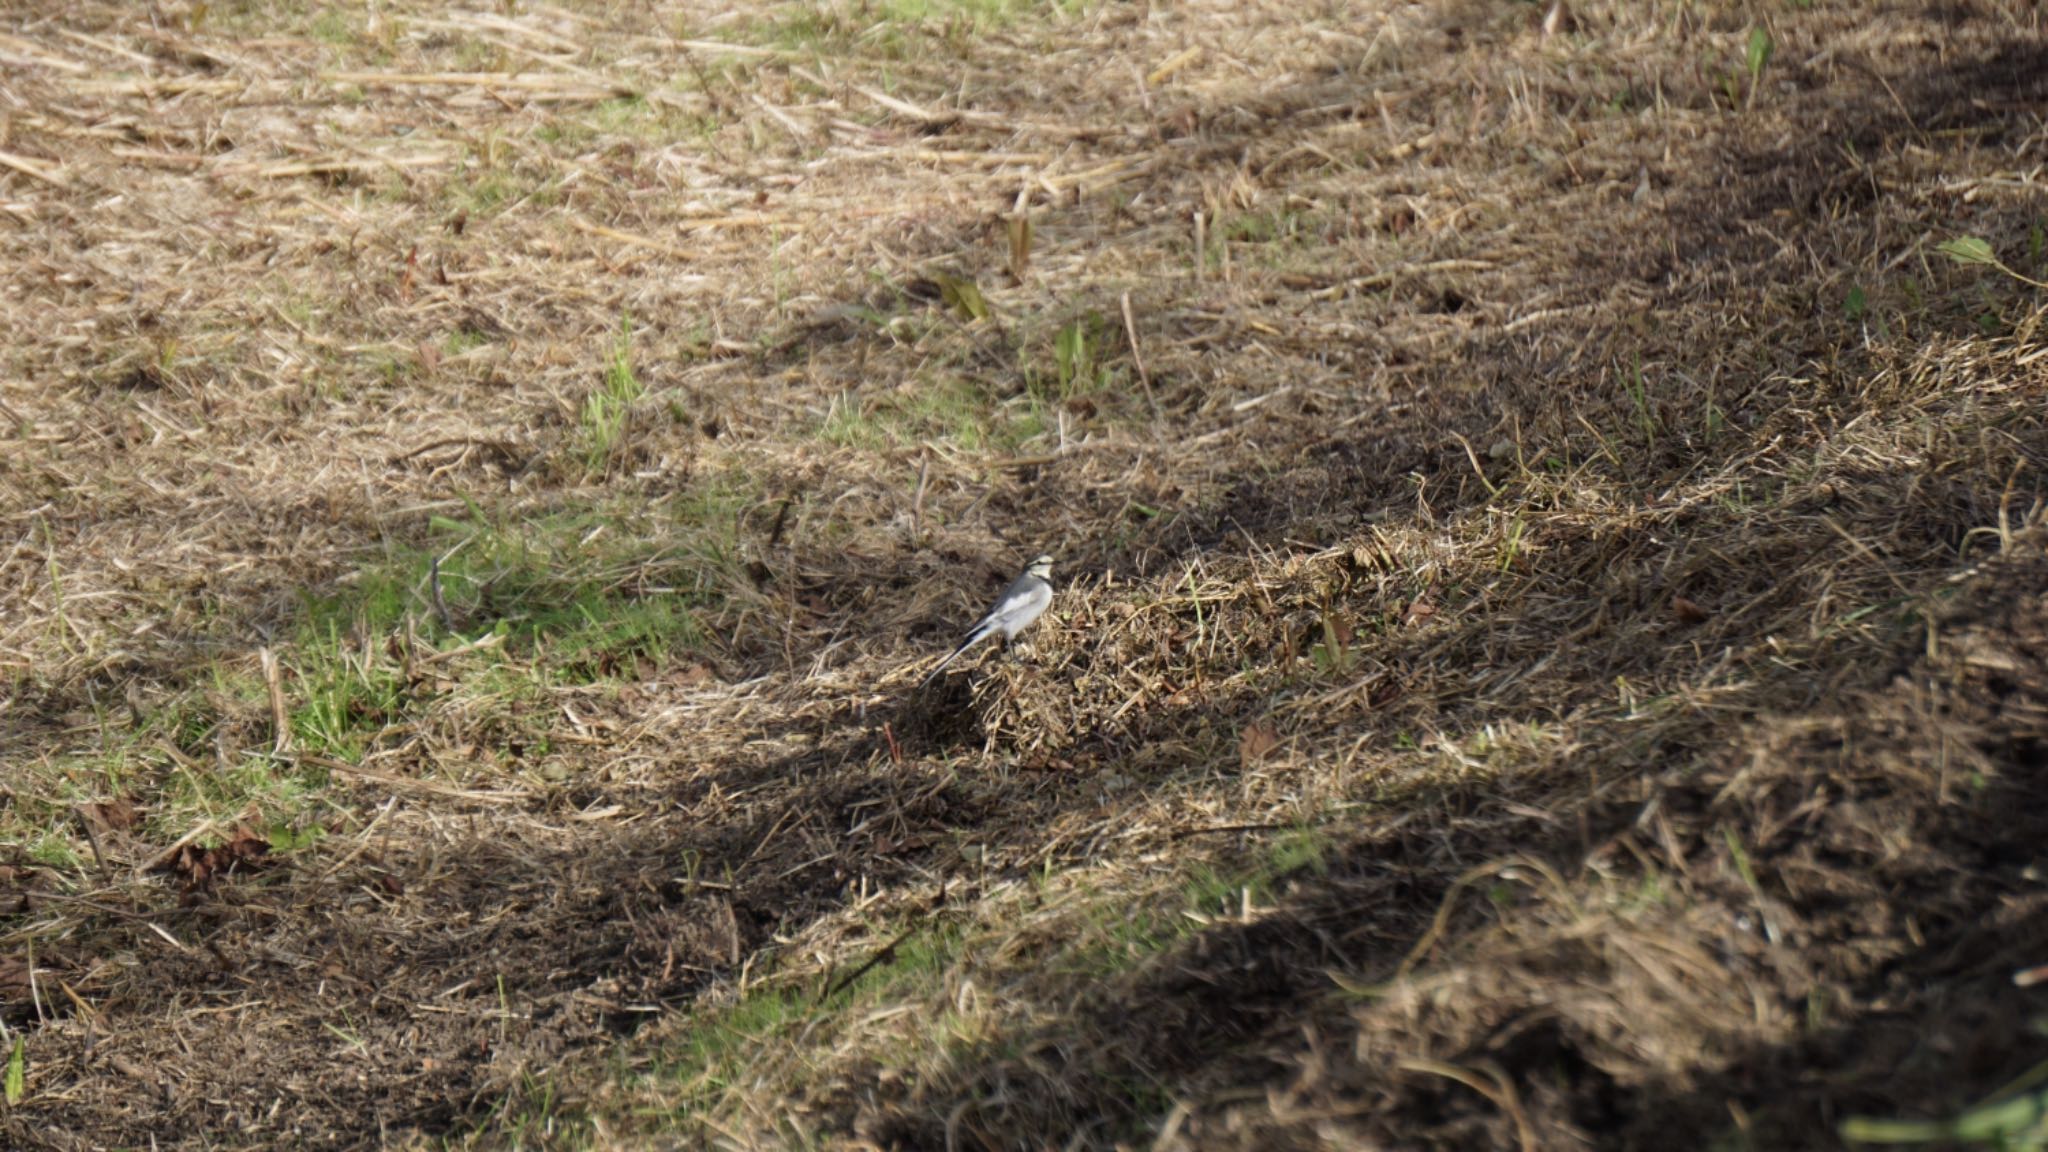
(1550, 649)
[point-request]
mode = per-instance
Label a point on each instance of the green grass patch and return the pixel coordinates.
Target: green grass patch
(333, 28)
(203, 756)
(891, 29)
(942, 408)
(1077, 363)
(483, 191)
(1281, 229)
(38, 820)
(340, 29)
(1083, 936)
(271, 797)
(570, 596)
(609, 407)
(347, 693)
(626, 119)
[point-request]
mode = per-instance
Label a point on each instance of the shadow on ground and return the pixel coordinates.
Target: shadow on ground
(1806, 904)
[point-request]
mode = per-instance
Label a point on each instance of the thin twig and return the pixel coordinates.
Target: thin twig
(924, 465)
(92, 837)
(28, 167)
(1218, 829)
(1138, 355)
(280, 716)
(434, 594)
(887, 950)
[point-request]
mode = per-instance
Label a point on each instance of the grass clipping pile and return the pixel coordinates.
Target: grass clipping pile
(1550, 648)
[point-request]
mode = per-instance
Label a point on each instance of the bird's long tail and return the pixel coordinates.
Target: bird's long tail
(973, 638)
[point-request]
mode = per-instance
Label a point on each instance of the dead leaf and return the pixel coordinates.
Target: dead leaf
(15, 989)
(691, 675)
(412, 266)
(1257, 740)
(1687, 611)
(1384, 692)
(962, 296)
(108, 816)
(1020, 244)
(243, 851)
(1558, 19)
(1421, 610)
(18, 886)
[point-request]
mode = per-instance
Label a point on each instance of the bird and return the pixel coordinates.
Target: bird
(1023, 602)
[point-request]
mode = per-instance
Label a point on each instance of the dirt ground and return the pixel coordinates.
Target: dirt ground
(1551, 648)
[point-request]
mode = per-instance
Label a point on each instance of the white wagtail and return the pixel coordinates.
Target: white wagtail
(1024, 601)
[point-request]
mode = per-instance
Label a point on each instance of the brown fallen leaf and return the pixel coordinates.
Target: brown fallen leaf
(16, 992)
(18, 888)
(1257, 740)
(1384, 692)
(691, 675)
(243, 851)
(1019, 228)
(1687, 611)
(108, 816)
(1342, 630)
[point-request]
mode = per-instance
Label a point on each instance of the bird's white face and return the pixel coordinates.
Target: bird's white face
(1040, 567)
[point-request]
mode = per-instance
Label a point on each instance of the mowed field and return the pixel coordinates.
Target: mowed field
(1549, 651)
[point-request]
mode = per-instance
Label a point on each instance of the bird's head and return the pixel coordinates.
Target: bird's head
(1041, 567)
